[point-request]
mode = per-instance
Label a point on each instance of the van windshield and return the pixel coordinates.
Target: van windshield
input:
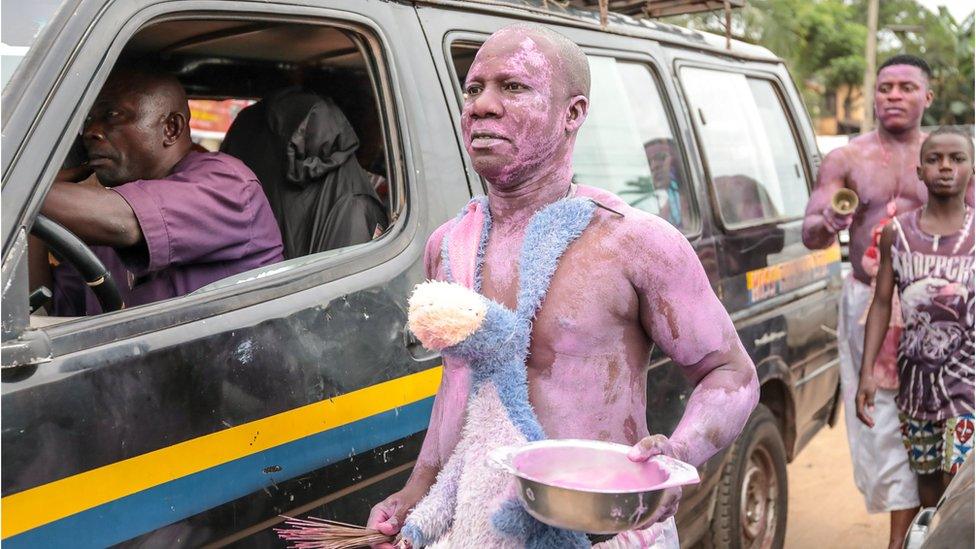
(20, 26)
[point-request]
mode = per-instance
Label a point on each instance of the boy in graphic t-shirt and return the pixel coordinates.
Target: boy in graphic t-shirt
(928, 255)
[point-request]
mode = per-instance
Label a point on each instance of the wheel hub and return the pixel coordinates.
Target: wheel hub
(758, 512)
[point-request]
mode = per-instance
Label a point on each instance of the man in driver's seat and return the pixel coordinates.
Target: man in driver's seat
(174, 219)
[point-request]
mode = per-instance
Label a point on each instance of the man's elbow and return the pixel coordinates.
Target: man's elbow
(737, 375)
(752, 388)
(131, 238)
(749, 379)
(123, 232)
(880, 309)
(815, 237)
(809, 241)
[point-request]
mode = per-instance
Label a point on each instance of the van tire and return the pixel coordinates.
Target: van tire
(754, 477)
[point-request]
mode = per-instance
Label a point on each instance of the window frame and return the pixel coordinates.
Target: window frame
(778, 89)
(653, 67)
(81, 333)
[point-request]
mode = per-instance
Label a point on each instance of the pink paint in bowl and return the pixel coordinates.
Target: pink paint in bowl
(589, 486)
(594, 466)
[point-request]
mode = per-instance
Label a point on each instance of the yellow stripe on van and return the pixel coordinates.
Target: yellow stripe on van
(49, 502)
(793, 267)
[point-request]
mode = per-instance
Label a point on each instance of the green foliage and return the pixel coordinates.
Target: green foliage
(834, 52)
(848, 69)
(823, 41)
(945, 44)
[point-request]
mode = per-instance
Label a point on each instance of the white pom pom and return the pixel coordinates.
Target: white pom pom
(442, 314)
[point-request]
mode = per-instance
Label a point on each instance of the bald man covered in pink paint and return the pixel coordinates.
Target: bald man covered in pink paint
(880, 167)
(628, 282)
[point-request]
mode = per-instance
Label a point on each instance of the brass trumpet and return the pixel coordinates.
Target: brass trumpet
(844, 202)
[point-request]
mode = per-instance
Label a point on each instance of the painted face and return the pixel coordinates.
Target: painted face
(123, 135)
(901, 96)
(947, 164)
(512, 121)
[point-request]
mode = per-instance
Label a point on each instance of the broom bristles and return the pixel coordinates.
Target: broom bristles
(316, 533)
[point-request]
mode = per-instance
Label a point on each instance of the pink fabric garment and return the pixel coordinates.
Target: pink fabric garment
(466, 482)
(464, 243)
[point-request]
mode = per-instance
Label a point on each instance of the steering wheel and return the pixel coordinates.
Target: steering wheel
(75, 252)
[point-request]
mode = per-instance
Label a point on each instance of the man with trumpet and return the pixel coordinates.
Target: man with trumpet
(860, 187)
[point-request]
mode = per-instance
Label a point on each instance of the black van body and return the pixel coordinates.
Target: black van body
(198, 420)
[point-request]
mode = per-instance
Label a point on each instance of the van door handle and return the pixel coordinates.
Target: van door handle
(416, 349)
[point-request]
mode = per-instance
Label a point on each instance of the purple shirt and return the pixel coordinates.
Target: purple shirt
(209, 219)
(935, 279)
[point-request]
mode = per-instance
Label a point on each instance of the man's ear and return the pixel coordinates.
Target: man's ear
(929, 96)
(173, 128)
(579, 105)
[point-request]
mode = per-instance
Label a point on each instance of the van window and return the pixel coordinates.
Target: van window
(627, 144)
(21, 24)
(210, 119)
(751, 152)
(300, 107)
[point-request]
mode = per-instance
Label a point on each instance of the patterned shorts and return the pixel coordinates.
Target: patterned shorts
(937, 445)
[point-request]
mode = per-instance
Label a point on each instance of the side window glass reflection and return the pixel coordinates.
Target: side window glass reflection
(627, 144)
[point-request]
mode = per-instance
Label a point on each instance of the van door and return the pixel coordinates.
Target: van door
(202, 418)
(782, 296)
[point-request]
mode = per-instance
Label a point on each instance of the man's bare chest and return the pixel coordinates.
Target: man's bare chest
(588, 299)
(878, 183)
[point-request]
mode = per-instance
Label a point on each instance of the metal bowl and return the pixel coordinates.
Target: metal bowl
(590, 486)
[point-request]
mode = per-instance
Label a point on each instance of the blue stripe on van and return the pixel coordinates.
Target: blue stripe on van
(142, 512)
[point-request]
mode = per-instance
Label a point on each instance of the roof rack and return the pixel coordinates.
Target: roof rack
(661, 8)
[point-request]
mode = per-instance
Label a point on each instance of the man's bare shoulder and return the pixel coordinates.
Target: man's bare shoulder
(861, 145)
(841, 156)
(634, 233)
(839, 163)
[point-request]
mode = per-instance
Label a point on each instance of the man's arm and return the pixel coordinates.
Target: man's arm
(443, 432)
(820, 223)
(442, 436)
(92, 212)
(876, 327)
(719, 406)
(682, 314)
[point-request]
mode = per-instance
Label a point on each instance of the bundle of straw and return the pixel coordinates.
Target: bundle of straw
(316, 533)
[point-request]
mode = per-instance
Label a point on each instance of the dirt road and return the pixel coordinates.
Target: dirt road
(825, 508)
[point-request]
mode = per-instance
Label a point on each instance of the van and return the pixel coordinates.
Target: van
(296, 388)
